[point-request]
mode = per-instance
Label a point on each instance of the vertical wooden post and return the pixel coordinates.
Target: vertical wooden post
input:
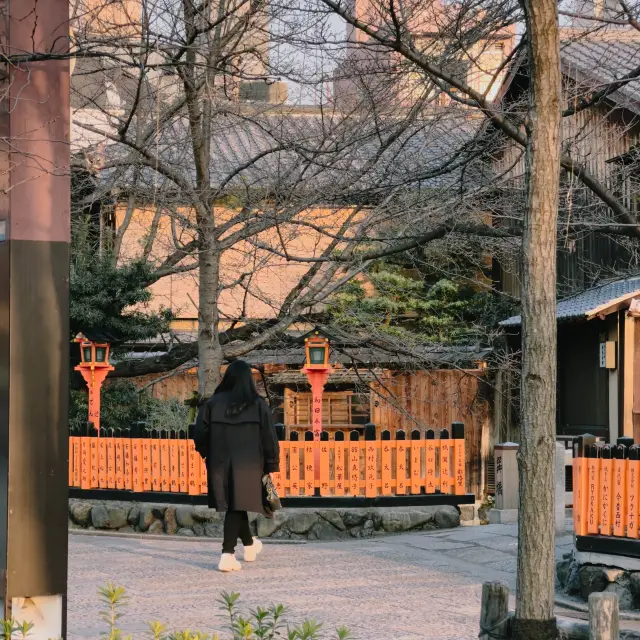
(339, 472)
(354, 463)
(294, 464)
(606, 493)
(603, 616)
(619, 489)
(127, 453)
(401, 463)
(430, 461)
(93, 456)
(386, 463)
(627, 398)
(371, 461)
(309, 464)
(593, 471)
(459, 464)
(445, 462)
(279, 478)
(494, 611)
(633, 471)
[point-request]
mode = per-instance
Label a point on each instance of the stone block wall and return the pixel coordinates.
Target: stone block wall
(289, 524)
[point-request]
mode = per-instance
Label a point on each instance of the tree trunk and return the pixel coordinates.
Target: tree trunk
(210, 356)
(536, 536)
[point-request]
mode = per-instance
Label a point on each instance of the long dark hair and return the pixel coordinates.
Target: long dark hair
(238, 382)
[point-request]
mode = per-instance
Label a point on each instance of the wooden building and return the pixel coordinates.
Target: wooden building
(598, 361)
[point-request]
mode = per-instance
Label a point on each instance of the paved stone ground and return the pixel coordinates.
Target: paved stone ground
(406, 587)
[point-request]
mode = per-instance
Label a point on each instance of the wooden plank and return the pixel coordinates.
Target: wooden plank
(127, 453)
(459, 467)
(156, 477)
(416, 466)
(111, 463)
(85, 463)
(354, 468)
(619, 497)
(204, 478)
(606, 497)
(279, 477)
(71, 461)
(432, 448)
(386, 455)
(593, 516)
(309, 469)
(294, 467)
(102, 463)
(339, 467)
(136, 465)
(94, 462)
(401, 467)
(633, 493)
(445, 466)
(174, 464)
(628, 387)
(194, 469)
(146, 464)
(119, 462)
(165, 469)
(371, 469)
(183, 470)
(325, 446)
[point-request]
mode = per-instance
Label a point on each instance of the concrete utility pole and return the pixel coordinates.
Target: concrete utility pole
(34, 315)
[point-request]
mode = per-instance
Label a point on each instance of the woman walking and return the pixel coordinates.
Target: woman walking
(235, 435)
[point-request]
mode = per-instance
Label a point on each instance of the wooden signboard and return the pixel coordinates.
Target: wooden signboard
(606, 493)
(401, 464)
(633, 492)
(416, 462)
(174, 464)
(354, 468)
(385, 461)
(111, 463)
(194, 469)
(339, 475)
(183, 471)
(294, 468)
(102, 463)
(309, 469)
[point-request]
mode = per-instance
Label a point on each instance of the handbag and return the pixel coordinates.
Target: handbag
(270, 498)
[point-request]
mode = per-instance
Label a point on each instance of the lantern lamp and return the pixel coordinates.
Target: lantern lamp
(85, 353)
(317, 349)
(101, 353)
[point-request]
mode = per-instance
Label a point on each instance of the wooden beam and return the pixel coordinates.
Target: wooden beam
(611, 306)
(628, 376)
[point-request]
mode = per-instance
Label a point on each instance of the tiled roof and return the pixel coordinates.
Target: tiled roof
(578, 305)
(600, 61)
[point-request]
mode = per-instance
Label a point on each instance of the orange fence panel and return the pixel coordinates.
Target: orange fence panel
(156, 478)
(204, 478)
(279, 478)
(165, 471)
(136, 465)
(309, 467)
(606, 477)
(339, 473)
(633, 478)
(294, 467)
(94, 462)
(459, 459)
(401, 465)
(119, 462)
(432, 448)
(72, 482)
(324, 465)
(102, 463)
(111, 463)
(174, 465)
(619, 494)
(371, 469)
(183, 450)
(85, 463)
(593, 471)
(194, 469)
(385, 464)
(127, 453)
(354, 467)
(445, 464)
(416, 462)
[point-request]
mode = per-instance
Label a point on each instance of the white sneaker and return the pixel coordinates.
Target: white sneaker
(251, 553)
(228, 563)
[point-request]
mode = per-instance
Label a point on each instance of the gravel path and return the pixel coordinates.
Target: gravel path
(406, 587)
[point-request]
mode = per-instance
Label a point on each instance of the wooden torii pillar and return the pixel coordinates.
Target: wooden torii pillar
(34, 316)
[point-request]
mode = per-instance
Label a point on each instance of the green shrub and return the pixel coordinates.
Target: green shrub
(259, 624)
(121, 405)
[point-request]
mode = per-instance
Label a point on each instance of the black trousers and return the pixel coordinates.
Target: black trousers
(236, 525)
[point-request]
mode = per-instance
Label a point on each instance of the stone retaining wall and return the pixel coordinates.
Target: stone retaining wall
(578, 575)
(291, 524)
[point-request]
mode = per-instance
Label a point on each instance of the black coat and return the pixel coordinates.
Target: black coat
(238, 450)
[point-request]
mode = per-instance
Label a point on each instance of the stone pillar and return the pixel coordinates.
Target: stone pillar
(34, 317)
(560, 489)
(506, 463)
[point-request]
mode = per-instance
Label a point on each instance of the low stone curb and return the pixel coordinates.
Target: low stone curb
(166, 538)
(289, 524)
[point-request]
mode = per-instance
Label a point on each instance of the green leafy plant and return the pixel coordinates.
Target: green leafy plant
(260, 624)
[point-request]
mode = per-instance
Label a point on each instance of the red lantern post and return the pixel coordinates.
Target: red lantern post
(94, 367)
(317, 370)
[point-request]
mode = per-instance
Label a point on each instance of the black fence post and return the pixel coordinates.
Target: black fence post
(457, 430)
(280, 431)
(369, 431)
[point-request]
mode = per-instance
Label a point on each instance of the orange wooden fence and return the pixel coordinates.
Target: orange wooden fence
(352, 467)
(606, 490)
